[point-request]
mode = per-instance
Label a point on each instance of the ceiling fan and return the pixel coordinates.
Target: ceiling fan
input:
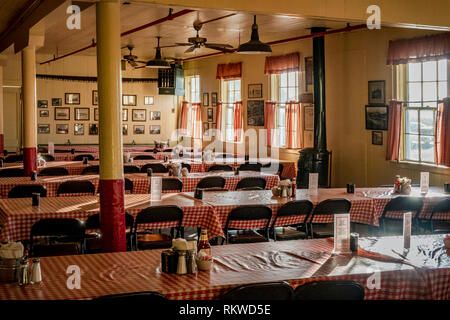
(198, 42)
(130, 58)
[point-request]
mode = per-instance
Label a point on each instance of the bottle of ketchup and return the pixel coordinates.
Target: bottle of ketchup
(203, 244)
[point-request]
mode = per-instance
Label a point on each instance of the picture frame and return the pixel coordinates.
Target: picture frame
(72, 98)
(62, 128)
(124, 129)
(149, 100)
(155, 115)
(309, 118)
(155, 129)
(255, 113)
(214, 127)
(139, 129)
(210, 113)
(43, 128)
(377, 138)
(42, 104)
(129, 100)
(93, 129)
(82, 114)
(94, 97)
(62, 113)
(44, 113)
(214, 99)
(377, 117)
(78, 129)
(206, 129)
(205, 101)
(376, 91)
(309, 74)
(96, 114)
(124, 114)
(255, 91)
(139, 115)
(56, 102)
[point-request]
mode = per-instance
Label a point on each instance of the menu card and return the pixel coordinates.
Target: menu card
(424, 182)
(342, 233)
(156, 188)
(313, 183)
(407, 218)
(51, 148)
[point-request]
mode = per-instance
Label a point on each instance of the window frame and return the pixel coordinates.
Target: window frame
(188, 97)
(228, 107)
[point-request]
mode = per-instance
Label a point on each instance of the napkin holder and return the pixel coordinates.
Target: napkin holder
(10, 256)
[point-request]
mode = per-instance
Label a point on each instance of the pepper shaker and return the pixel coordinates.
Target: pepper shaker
(23, 273)
(181, 268)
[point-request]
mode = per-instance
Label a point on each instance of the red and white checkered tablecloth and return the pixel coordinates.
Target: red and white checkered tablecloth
(17, 216)
(296, 262)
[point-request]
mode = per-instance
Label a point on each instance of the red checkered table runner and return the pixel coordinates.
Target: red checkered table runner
(297, 262)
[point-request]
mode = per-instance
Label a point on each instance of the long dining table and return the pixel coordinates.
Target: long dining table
(381, 266)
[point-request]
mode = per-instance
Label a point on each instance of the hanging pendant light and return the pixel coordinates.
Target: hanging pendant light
(158, 62)
(254, 46)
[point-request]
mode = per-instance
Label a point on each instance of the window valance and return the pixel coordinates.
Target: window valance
(229, 71)
(280, 64)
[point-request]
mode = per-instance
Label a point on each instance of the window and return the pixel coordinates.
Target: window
(426, 83)
(231, 93)
(284, 89)
(192, 95)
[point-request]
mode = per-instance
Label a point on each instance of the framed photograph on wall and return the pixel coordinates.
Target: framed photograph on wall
(255, 91)
(43, 128)
(139, 129)
(377, 138)
(43, 113)
(210, 114)
(56, 102)
(72, 98)
(129, 99)
(155, 129)
(139, 115)
(82, 114)
(206, 129)
(377, 117)
(93, 129)
(214, 99)
(96, 115)
(255, 113)
(155, 115)
(205, 102)
(78, 129)
(62, 128)
(42, 104)
(124, 129)
(62, 113)
(309, 118)
(124, 114)
(149, 100)
(377, 92)
(94, 97)
(309, 69)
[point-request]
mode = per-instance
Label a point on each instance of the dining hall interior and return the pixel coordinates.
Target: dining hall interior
(224, 150)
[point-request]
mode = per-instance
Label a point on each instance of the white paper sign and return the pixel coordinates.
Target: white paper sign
(424, 182)
(342, 233)
(156, 188)
(407, 218)
(313, 183)
(51, 148)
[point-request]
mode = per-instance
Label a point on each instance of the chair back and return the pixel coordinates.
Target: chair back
(27, 190)
(133, 297)
(294, 208)
(330, 290)
(12, 172)
(403, 204)
(159, 214)
(128, 185)
(54, 171)
(251, 182)
(75, 187)
(261, 291)
(13, 158)
(131, 169)
(81, 157)
(186, 165)
(156, 167)
(172, 184)
(211, 182)
(250, 167)
(220, 167)
(332, 207)
(249, 213)
(48, 157)
(91, 170)
(441, 207)
(144, 157)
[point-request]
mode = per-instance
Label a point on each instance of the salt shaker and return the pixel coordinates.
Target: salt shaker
(36, 276)
(181, 268)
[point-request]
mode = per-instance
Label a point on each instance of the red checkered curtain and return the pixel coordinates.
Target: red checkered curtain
(184, 118)
(229, 71)
(238, 121)
(442, 139)
(293, 130)
(219, 118)
(269, 121)
(280, 64)
(196, 121)
(395, 118)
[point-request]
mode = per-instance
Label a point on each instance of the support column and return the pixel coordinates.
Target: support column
(2, 138)
(112, 214)
(29, 110)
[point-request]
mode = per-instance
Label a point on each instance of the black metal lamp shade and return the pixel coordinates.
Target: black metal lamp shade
(254, 46)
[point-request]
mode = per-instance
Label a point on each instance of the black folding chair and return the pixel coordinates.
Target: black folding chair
(186, 165)
(250, 167)
(146, 239)
(76, 187)
(156, 167)
(291, 209)
(211, 182)
(13, 158)
(63, 237)
(220, 167)
(81, 157)
(172, 184)
(54, 171)
(128, 185)
(27, 190)
(328, 207)
(248, 213)
(400, 204)
(131, 169)
(11, 172)
(144, 157)
(261, 291)
(48, 157)
(91, 170)
(330, 290)
(440, 225)
(251, 182)
(132, 297)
